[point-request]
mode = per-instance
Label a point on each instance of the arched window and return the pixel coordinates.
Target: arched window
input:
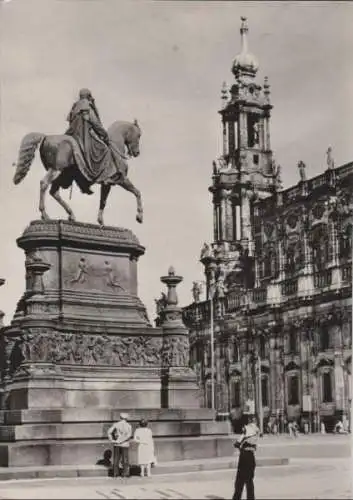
(322, 248)
(326, 387)
(324, 337)
(293, 344)
(293, 390)
(235, 393)
(262, 342)
(233, 352)
(264, 390)
(290, 258)
(346, 242)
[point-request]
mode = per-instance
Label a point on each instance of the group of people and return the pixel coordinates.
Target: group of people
(121, 436)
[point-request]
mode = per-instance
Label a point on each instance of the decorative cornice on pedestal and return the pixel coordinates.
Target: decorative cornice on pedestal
(80, 235)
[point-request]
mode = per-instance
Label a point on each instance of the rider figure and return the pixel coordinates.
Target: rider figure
(87, 129)
(85, 107)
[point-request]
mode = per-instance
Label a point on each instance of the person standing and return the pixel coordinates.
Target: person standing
(120, 435)
(246, 465)
(145, 448)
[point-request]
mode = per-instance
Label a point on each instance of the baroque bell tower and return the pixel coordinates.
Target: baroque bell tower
(245, 171)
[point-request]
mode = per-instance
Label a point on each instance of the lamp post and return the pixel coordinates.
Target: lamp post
(257, 384)
(212, 353)
(211, 294)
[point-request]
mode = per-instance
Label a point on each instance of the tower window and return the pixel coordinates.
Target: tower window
(326, 388)
(264, 391)
(256, 159)
(235, 394)
(292, 342)
(324, 338)
(293, 390)
(253, 130)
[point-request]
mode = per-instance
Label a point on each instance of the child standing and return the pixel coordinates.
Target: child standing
(145, 450)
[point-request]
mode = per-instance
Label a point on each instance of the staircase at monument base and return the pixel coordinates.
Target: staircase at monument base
(79, 436)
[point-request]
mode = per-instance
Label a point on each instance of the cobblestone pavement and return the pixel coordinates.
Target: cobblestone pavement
(302, 479)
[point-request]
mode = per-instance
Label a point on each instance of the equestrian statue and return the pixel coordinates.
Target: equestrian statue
(86, 154)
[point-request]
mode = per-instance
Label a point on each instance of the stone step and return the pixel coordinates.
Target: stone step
(336, 447)
(16, 417)
(177, 467)
(98, 430)
(88, 452)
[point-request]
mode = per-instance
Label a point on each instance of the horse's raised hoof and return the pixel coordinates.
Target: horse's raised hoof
(71, 218)
(139, 218)
(100, 222)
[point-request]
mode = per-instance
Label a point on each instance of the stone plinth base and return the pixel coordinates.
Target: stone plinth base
(71, 437)
(48, 386)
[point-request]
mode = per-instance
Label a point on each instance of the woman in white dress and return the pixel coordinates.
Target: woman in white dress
(145, 448)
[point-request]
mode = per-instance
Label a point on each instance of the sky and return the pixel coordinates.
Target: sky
(164, 63)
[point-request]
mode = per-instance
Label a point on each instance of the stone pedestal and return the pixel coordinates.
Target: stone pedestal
(81, 342)
(80, 336)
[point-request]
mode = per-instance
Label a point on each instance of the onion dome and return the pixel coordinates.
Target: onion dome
(245, 64)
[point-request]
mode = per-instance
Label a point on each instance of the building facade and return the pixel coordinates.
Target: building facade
(278, 274)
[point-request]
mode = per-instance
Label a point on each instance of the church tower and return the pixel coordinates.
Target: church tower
(245, 171)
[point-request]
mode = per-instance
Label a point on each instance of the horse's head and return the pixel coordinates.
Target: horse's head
(132, 139)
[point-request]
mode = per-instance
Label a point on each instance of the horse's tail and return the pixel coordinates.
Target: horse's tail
(28, 147)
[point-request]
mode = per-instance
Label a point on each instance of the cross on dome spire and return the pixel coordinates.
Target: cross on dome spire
(245, 64)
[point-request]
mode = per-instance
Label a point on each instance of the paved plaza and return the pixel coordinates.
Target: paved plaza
(303, 478)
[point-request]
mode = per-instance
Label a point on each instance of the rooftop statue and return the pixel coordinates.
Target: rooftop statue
(196, 291)
(86, 154)
(329, 160)
(302, 173)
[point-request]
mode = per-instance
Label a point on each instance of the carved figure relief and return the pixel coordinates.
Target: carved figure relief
(88, 349)
(81, 271)
(111, 279)
(175, 351)
(106, 273)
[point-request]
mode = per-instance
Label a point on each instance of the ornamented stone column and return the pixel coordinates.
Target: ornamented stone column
(35, 269)
(179, 388)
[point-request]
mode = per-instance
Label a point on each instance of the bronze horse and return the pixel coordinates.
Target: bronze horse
(58, 153)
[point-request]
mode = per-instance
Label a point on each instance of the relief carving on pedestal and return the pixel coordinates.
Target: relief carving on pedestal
(175, 351)
(85, 349)
(85, 270)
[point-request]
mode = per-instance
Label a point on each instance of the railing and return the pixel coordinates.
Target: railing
(197, 313)
(346, 273)
(290, 287)
(292, 194)
(345, 169)
(233, 301)
(259, 295)
(317, 182)
(322, 279)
